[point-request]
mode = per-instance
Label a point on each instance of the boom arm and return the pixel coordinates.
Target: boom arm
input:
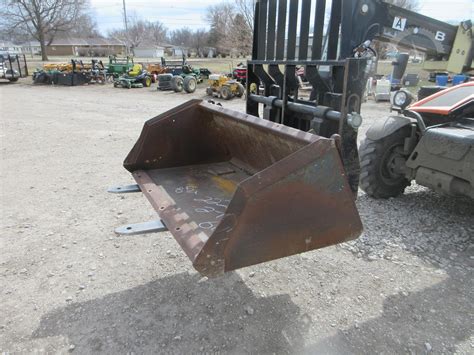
(439, 41)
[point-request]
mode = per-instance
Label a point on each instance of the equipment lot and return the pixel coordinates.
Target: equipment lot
(68, 283)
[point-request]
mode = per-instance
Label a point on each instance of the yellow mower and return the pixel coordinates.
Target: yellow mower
(222, 86)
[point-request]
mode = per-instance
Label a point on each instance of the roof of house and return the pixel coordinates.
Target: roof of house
(74, 41)
(30, 44)
(149, 46)
(7, 44)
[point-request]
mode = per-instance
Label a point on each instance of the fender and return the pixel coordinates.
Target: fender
(383, 128)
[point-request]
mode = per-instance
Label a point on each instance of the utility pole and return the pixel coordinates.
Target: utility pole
(126, 27)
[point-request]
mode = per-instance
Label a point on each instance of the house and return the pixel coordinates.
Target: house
(70, 46)
(206, 52)
(10, 47)
(211, 52)
(147, 50)
(31, 48)
(176, 51)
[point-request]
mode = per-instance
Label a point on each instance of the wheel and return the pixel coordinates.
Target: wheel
(177, 83)
(164, 81)
(209, 92)
(253, 88)
(240, 90)
(190, 84)
(116, 84)
(146, 81)
(226, 93)
(12, 80)
(378, 177)
(426, 91)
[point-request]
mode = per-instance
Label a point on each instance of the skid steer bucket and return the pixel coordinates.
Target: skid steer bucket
(235, 190)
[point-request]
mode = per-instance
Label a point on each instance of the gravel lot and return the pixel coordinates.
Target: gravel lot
(69, 284)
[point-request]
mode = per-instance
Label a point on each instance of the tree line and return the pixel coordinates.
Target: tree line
(229, 33)
(230, 26)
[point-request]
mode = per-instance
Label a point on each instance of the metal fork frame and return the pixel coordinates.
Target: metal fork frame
(337, 83)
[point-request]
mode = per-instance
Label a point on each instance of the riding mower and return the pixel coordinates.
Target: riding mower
(224, 87)
(137, 77)
(240, 74)
(431, 142)
(155, 69)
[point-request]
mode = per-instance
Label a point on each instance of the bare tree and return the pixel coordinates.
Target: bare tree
(246, 8)
(137, 31)
(241, 35)
(220, 17)
(200, 40)
(42, 19)
(231, 26)
(156, 32)
(85, 27)
(182, 37)
(140, 31)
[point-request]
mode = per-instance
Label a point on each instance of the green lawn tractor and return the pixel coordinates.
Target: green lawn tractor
(119, 66)
(186, 80)
(137, 77)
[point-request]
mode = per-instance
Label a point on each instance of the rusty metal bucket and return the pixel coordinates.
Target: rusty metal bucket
(236, 190)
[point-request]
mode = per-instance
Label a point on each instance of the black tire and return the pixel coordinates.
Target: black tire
(41, 78)
(12, 80)
(426, 91)
(190, 84)
(164, 81)
(377, 177)
(177, 83)
(240, 90)
(226, 93)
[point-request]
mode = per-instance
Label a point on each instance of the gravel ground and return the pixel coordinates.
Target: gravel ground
(69, 284)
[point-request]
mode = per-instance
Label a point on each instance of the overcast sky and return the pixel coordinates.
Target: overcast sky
(179, 13)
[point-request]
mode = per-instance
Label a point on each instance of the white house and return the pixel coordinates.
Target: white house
(149, 51)
(32, 48)
(10, 47)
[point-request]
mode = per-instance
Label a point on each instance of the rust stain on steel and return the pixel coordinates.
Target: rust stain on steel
(226, 185)
(235, 190)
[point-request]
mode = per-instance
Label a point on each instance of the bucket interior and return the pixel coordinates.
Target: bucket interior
(206, 170)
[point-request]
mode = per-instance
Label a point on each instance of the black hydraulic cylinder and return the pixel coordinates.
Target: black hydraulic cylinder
(315, 111)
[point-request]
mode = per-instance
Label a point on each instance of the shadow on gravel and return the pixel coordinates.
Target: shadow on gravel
(440, 315)
(439, 232)
(433, 227)
(181, 315)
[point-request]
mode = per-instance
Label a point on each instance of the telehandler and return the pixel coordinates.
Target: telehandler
(237, 189)
(431, 142)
